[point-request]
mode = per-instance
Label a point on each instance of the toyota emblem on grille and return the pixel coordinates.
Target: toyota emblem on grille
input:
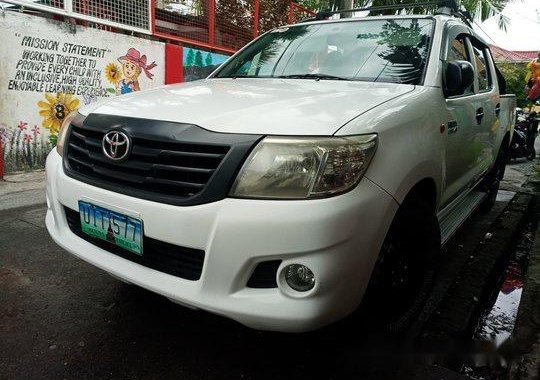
(116, 145)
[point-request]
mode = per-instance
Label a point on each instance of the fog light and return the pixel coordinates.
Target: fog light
(299, 277)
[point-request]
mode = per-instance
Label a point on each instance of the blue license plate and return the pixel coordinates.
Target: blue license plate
(116, 228)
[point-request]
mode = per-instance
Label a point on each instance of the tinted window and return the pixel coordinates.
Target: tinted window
(484, 79)
(367, 50)
(458, 51)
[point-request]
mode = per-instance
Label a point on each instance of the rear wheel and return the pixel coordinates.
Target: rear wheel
(404, 273)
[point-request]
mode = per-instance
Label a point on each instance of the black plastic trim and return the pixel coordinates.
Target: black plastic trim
(166, 133)
(264, 275)
(183, 262)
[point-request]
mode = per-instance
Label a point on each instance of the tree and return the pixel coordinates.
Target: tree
(208, 60)
(190, 58)
(514, 74)
(479, 9)
(198, 59)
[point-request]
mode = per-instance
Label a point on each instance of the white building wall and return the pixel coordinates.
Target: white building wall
(49, 68)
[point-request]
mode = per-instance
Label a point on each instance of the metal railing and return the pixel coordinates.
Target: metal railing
(221, 25)
(131, 15)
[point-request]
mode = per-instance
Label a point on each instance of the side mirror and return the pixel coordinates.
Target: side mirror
(458, 76)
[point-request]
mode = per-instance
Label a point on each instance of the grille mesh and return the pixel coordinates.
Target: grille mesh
(174, 169)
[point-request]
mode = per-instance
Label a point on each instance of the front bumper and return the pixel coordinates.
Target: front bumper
(337, 238)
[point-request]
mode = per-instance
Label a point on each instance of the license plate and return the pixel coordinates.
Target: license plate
(119, 229)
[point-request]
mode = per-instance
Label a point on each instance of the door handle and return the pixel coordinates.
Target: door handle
(498, 109)
(479, 115)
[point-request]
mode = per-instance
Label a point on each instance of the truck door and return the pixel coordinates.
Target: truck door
(460, 153)
(486, 104)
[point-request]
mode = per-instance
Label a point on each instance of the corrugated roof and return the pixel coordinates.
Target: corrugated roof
(503, 55)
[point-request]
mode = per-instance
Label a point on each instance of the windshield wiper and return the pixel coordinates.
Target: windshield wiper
(312, 76)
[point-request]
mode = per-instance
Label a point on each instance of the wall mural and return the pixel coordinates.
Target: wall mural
(198, 64)
(49, 71)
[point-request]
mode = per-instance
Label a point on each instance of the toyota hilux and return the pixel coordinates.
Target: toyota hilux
(321, 167)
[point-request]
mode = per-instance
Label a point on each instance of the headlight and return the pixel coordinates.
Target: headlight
(64, 128)
(299, 168)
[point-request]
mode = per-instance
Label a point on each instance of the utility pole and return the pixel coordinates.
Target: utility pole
(346, 4)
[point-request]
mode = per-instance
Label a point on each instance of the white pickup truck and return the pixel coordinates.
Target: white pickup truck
(320, 167)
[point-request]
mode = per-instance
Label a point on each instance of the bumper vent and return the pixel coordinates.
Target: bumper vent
(178, 261)
(264, 275)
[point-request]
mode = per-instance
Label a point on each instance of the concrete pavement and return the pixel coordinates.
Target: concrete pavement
(63, 318)
(22, 189)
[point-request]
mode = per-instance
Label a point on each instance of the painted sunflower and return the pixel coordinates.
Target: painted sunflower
(113, 73)
(55, 109)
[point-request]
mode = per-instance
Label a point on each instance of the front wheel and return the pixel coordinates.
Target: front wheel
(404, 273)
(493, 180)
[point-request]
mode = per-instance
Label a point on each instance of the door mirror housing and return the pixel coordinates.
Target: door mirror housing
(458, 76)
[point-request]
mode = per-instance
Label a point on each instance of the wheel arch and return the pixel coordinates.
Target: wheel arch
(425, 189)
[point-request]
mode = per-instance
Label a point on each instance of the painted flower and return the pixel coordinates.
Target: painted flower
(113, 73)
(36, 130)
(22, 126)
(55, 109)
(27, 138)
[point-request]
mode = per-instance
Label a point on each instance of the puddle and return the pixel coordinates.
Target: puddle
(497, 325)
(497, 320)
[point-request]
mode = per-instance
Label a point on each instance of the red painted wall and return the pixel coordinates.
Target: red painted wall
(174, 67)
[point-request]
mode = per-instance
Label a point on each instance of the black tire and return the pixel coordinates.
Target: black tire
(405, 270)
(532, 155)
(493, 180)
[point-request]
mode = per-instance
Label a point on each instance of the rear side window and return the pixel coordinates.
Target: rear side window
(482, 68)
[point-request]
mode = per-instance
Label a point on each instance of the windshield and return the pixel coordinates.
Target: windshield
(367, 50)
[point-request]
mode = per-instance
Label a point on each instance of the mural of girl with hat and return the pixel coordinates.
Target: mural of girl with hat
(133, 64)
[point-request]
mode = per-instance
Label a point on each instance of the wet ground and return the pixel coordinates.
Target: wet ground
(62, 318)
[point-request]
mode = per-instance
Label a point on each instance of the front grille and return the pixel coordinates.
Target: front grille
(264, 275)
(178, 169)
(168, 258)
(174, 163)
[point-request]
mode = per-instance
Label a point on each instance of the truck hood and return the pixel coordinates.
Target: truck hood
(256, 106)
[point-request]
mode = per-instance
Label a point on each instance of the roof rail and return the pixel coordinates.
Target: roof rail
(444, 7)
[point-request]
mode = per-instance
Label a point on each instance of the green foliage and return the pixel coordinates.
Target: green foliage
(482, 9)
(316, 5)
(514, 73)
(53, 139)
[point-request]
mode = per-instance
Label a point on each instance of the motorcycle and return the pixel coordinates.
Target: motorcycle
(525, 132)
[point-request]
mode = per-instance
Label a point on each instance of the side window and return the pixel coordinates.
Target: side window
(482, 68)
(458, 52)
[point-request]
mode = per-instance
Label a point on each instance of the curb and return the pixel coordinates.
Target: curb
(460, 306)
(527, 329)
